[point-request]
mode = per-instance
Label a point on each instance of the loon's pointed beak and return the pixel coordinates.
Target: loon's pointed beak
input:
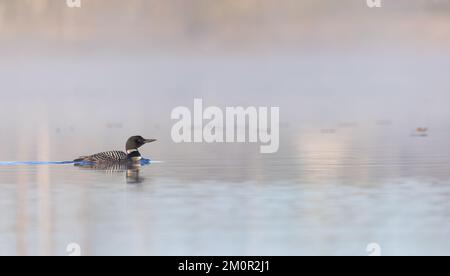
(150, 140)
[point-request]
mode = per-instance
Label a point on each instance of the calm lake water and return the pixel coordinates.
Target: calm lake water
(324, 194)
(348, 172)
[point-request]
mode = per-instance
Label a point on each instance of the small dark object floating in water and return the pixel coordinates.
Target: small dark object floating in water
(384, 123)
(328, 131)
(348, 125)
(420, 132)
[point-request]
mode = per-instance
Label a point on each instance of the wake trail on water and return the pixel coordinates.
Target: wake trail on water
(34, 163)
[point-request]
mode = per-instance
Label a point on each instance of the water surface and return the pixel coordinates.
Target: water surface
(321, 194)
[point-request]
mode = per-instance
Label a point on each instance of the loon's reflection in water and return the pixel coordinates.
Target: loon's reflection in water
(132, 171)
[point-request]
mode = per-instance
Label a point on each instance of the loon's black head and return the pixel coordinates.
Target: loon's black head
(136, 142)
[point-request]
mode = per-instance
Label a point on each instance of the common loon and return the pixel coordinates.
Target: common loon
(131, 156)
